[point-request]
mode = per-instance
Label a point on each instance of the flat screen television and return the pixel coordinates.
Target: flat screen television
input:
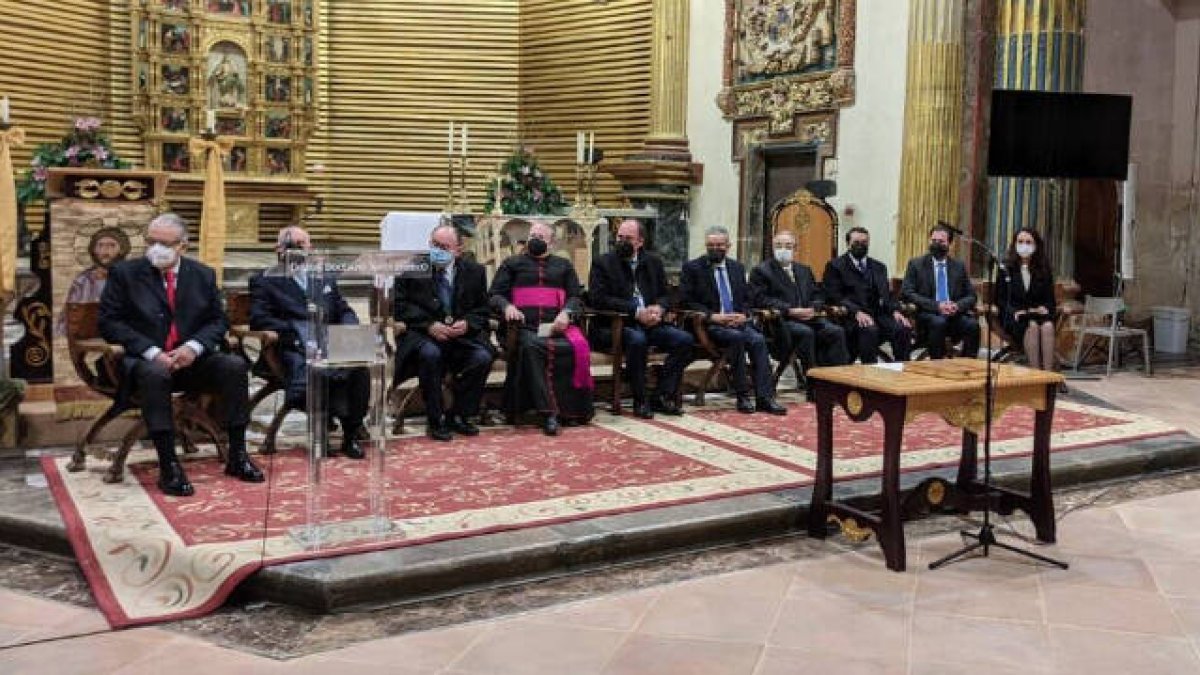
(1037, 134)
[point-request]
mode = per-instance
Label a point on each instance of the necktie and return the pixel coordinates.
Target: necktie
(943, 292)
(791, 275)
(173, 333)
(723, 289)
(862, 266)
(443, 291)
(637, 292)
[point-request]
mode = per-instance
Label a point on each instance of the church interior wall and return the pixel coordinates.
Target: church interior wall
(1143, 49)
(869, 132)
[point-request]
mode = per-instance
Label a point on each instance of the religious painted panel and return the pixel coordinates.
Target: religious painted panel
(176, 38)
(278, 48)
(231, 125)
(229, 7)
(175, 5)
(174, 120)
(279, 161)
(278, 88)
(279, 125)
(176, 79)
(175, 157)
(239, 159)
(786, 58)
(279, 11)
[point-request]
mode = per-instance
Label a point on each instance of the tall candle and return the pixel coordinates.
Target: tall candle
(579, 147)
(464, 140)
(591, 154)
(210, 120)
(4, 110)
(450, 139)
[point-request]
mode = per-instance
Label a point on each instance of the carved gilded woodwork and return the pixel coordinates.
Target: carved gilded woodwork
(787, 58)
(251, 62)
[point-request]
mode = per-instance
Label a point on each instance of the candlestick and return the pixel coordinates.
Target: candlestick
(464, 140)
(210, 120)
(4, 111)
(497, 207)
(450, 139)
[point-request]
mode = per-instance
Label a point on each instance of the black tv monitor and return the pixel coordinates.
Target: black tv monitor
(1037, 134)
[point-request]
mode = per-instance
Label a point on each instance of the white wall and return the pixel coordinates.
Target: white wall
(869, 135)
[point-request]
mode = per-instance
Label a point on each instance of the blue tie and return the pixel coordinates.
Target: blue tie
(637, 292)
(943, 292)
(443, 290)
(723, 289)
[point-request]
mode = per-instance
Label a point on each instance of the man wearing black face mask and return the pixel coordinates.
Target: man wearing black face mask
(716, 286)
(938, 285)
(631, 280)
(860, 284)
(279, 302)
(538, 294)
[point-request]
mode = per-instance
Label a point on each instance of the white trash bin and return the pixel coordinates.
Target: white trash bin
(1171, 326)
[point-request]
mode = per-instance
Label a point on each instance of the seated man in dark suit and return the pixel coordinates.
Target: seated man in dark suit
(790, 289)
(716, 286)
(447, 318)
(165, 310)
(938, 285)
(631, 280)
(279, 302)
(860, 284)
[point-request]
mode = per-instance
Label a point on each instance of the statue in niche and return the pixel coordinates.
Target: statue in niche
(176, 5)
(278, 49)
(175, 80)
(226, 81)
(308, 13)
(141, 38)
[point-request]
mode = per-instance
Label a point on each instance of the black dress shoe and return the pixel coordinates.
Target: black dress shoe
(744, 405)
(439, 432)
(550, 425)
(172, 481)
(667, 406)
(642, 410)
(351, 447)
(768, 405)
(460, 425)
(243, 469)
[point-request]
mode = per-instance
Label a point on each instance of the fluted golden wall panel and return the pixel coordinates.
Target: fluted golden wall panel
(932, 154)
(585, 66)
(62, 58)
(396, 71)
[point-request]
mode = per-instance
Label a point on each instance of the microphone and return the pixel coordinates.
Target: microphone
(992, 257)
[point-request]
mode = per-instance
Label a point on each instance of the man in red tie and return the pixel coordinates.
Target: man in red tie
(165, 310)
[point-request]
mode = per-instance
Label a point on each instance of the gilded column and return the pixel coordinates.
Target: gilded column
(933, 109)
(1039, 47)
(669, 78)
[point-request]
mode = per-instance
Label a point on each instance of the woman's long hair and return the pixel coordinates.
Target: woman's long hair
(1039, 262)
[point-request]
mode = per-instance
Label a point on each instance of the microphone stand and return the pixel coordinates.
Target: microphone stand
(985, 538)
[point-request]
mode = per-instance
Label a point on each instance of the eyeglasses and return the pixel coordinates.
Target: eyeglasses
(168, 244)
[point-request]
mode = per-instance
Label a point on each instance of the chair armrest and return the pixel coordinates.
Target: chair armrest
(699, 329)
(616, 326)
(111, 355)
(265, 338)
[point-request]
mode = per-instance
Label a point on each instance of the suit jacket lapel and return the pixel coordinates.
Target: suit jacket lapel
(153, 279)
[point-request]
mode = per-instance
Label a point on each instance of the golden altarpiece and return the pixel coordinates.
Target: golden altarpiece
(248, 69)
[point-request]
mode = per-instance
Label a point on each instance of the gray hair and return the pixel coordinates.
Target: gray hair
(446, 226)
(286, 235)
(716, 230)
(170, 220)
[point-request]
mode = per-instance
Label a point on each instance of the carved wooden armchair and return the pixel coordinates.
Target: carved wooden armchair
(615, 354)
(772, 325)
(98, 364)
(268, 365)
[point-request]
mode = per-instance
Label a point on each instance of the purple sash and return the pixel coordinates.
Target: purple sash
(554, 298)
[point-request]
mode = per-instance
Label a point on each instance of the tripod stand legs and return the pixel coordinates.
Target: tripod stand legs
(985, 539)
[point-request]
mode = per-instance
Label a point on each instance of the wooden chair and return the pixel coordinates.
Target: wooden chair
(615, 354)
(268, 364)
(813, 223)
(772, 323)
(98, 364)
(707, 349)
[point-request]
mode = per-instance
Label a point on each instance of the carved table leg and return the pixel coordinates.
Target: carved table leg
(818, 509)
(1041, 501)
(891, 528)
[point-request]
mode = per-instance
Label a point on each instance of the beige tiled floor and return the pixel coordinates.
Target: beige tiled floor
(1129, 604)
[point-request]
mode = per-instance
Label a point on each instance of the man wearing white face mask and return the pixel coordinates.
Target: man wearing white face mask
(788, 287)
(165, 310)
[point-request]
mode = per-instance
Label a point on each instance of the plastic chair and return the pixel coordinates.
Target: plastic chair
(1102, 319)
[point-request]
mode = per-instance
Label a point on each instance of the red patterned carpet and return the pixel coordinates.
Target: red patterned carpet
(152, 558)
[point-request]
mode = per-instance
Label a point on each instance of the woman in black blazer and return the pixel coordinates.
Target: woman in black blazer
(1025, 297)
